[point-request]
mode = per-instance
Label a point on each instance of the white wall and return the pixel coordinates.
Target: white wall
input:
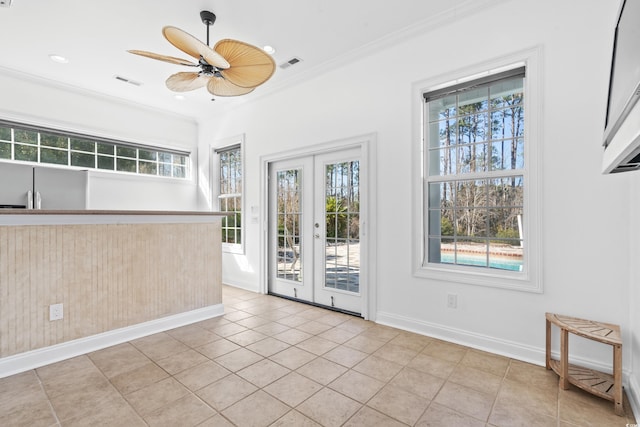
(585, 215)
(634, 293)
(38, 102)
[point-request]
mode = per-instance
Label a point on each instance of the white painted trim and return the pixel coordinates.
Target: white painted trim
(367, 144)
(33, 359)
(511, 349)
(633, 393)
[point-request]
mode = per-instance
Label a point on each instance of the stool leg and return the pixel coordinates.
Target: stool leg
(617, 379)
(548, 352)
(564, 359)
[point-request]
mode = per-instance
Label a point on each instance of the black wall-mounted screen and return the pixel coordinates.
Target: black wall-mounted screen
(624, 82)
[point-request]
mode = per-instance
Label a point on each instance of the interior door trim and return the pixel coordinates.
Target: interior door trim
(367, 145)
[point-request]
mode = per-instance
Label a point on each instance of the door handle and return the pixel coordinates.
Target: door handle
(29, 199)
(317, 235)
(38, 200)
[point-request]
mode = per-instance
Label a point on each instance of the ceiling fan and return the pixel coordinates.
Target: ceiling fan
(230, 68)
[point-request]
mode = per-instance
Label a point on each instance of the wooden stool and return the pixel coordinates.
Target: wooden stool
(601, 384)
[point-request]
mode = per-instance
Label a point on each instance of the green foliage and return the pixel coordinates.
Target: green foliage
(446, 227)
(508, 233)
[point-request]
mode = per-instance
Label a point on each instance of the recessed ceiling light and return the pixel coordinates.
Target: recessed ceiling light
(269, 49)
(58, 58)
(179, 97)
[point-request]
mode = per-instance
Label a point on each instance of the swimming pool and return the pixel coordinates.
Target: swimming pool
(501, 263)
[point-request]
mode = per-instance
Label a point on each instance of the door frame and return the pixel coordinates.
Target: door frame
(368, 211)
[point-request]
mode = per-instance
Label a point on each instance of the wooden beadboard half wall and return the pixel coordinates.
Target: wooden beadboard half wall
(107, 276)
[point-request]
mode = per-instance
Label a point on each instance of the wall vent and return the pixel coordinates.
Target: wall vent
(5, 3)
(289, 63)
(126, 80)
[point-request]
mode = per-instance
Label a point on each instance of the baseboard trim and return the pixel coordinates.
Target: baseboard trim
(43, 356)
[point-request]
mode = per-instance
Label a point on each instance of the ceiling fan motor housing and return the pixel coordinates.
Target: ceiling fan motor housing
(208, 18)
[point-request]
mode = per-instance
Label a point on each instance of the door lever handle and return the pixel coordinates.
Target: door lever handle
(317, 235)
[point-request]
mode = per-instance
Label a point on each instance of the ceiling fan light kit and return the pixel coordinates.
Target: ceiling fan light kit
(230, 68)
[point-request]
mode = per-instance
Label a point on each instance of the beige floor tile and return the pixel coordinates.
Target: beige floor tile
(159, 346)
(395, 353)
(115, 360)
(517, 395)
(21, 389)
(227, 391)
(338, 335)
(112, 412)
(487, 362)
(263, 373)
(157, 395)
(365, 344)
(312, 313)
(445, 351)
(211, 324)
(333, 319)
(258, 409)
(75, 366)
(317, 345)
(478, 380)
(322, 371)
(399, 404)
(505, 414)
(536, 376)
(185, 412)
(84, 399)
(247, 337)
(295, 419)
(314, 327)
(293, 389)
(36, 413)
(272, 328)
(216, 421)
(357, 386)
(329, 408)
(238, 359)
(217, 348)
(381, 333)
(346, 356)
(193, 336)
(268, 347)
(238, 314)
(441, 416)
(465, 400)
(201, 375)
(292, 321)
(136, 379)
(432, 365)
(378, 368)
(253, 322)
(293, 357)
(88, 378)
(418, 383)
(229, 329)
(181, 361)
(579, 407)
(370, 417)
(411, 341)
(292, 336)
(356, 325)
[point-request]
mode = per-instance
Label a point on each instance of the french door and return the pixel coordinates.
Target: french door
(314, 229)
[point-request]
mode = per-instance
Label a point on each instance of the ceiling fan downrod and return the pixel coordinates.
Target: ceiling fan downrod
(208, 18)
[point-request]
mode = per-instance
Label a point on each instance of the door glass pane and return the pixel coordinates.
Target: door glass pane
(289, 255)
(342, 218)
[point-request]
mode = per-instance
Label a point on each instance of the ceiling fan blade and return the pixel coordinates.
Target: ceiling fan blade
(186, 81)
(194, 47)
(221, 87)
(250, 66)
(171, 59)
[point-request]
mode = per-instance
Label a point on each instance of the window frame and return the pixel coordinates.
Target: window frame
(215, 150)
(179, 159)
(530, 279)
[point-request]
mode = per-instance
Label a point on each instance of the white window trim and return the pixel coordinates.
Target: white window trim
(214, 174)
(530, 279)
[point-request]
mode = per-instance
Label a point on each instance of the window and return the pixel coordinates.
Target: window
(229, 170)
(39, 145)
(476, 181)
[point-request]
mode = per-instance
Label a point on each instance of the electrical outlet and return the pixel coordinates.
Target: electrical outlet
(452, 300)
(55, 312)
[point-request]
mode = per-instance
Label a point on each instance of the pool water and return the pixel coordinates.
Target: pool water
(475, 260)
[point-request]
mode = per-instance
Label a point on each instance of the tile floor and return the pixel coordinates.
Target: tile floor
(273, 362)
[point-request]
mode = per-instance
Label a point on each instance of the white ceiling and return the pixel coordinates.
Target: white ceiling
(95, 35)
